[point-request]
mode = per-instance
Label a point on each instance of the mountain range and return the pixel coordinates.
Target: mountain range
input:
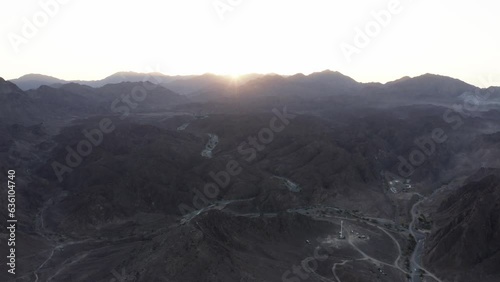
(147, 177)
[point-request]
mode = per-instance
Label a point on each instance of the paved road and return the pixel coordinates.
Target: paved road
(416, 257)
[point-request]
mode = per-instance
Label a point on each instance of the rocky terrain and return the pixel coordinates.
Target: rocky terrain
(217, 180)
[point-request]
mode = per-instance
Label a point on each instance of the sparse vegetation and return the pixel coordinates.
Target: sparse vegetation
(424, 223)
(412, 243)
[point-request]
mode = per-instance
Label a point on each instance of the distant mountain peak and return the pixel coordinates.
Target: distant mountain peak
(124, 73)
(297, 76)
(38, 76)
(326, 78)
(327, 71)
(430, 78)
(34, 80)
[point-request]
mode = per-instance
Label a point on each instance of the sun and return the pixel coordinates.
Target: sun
(235, 76)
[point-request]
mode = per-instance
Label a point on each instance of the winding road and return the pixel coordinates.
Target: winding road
(416, 256)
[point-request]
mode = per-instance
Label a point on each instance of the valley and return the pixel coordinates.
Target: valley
(285, 182)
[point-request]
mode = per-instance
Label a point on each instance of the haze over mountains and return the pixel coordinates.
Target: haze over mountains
(33, 81)
(325, 83)
(147, 177)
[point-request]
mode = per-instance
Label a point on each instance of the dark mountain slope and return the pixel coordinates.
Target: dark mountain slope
(466, 234)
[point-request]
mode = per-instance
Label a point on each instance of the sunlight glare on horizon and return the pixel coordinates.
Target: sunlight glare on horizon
(93, 39)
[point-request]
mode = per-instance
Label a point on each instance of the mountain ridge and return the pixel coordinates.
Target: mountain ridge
(33, 80)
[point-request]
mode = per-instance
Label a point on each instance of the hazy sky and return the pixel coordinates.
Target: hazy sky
(369, 40)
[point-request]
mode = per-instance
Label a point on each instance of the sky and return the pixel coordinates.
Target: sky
(368, 40)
